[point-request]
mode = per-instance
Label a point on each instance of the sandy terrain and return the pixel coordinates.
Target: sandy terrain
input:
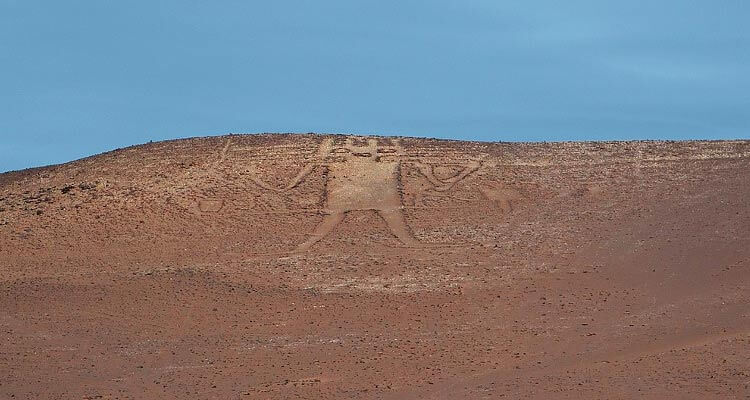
(303, 266)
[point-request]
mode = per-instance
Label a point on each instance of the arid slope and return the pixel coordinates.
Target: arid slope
(283, 266)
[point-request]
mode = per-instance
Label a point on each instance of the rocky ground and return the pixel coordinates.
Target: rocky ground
(306, 266)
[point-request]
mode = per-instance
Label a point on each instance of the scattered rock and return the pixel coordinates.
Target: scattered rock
(67, 189)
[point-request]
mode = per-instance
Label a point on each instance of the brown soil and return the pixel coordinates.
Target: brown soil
(304, 266)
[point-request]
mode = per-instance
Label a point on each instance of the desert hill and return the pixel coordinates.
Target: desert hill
(330, 266)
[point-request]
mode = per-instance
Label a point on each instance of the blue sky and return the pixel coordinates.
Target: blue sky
(82, 77)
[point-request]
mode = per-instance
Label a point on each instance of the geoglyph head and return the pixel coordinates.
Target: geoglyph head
(355, 149)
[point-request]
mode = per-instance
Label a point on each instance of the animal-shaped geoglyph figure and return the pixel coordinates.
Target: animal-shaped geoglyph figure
(502, 196)
(365, 175)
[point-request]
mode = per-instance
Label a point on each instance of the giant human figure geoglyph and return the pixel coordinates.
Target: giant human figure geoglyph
(365, 176)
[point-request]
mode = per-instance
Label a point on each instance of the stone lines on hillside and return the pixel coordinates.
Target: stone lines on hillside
(366, 175)
(363, 174)
(215, 204)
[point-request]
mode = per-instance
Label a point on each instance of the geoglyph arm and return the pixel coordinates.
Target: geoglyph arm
(444, 185)
(470, 168)
(323, 151)
(300, 176)
(426, 171)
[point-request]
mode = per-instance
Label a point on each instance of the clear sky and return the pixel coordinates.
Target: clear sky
(82, 77)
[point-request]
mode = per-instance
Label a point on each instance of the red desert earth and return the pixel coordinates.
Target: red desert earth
(328, 266)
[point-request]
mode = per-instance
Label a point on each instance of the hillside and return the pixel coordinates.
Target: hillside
(312, 266)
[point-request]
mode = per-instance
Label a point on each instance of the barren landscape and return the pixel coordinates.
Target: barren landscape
(329, 266)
